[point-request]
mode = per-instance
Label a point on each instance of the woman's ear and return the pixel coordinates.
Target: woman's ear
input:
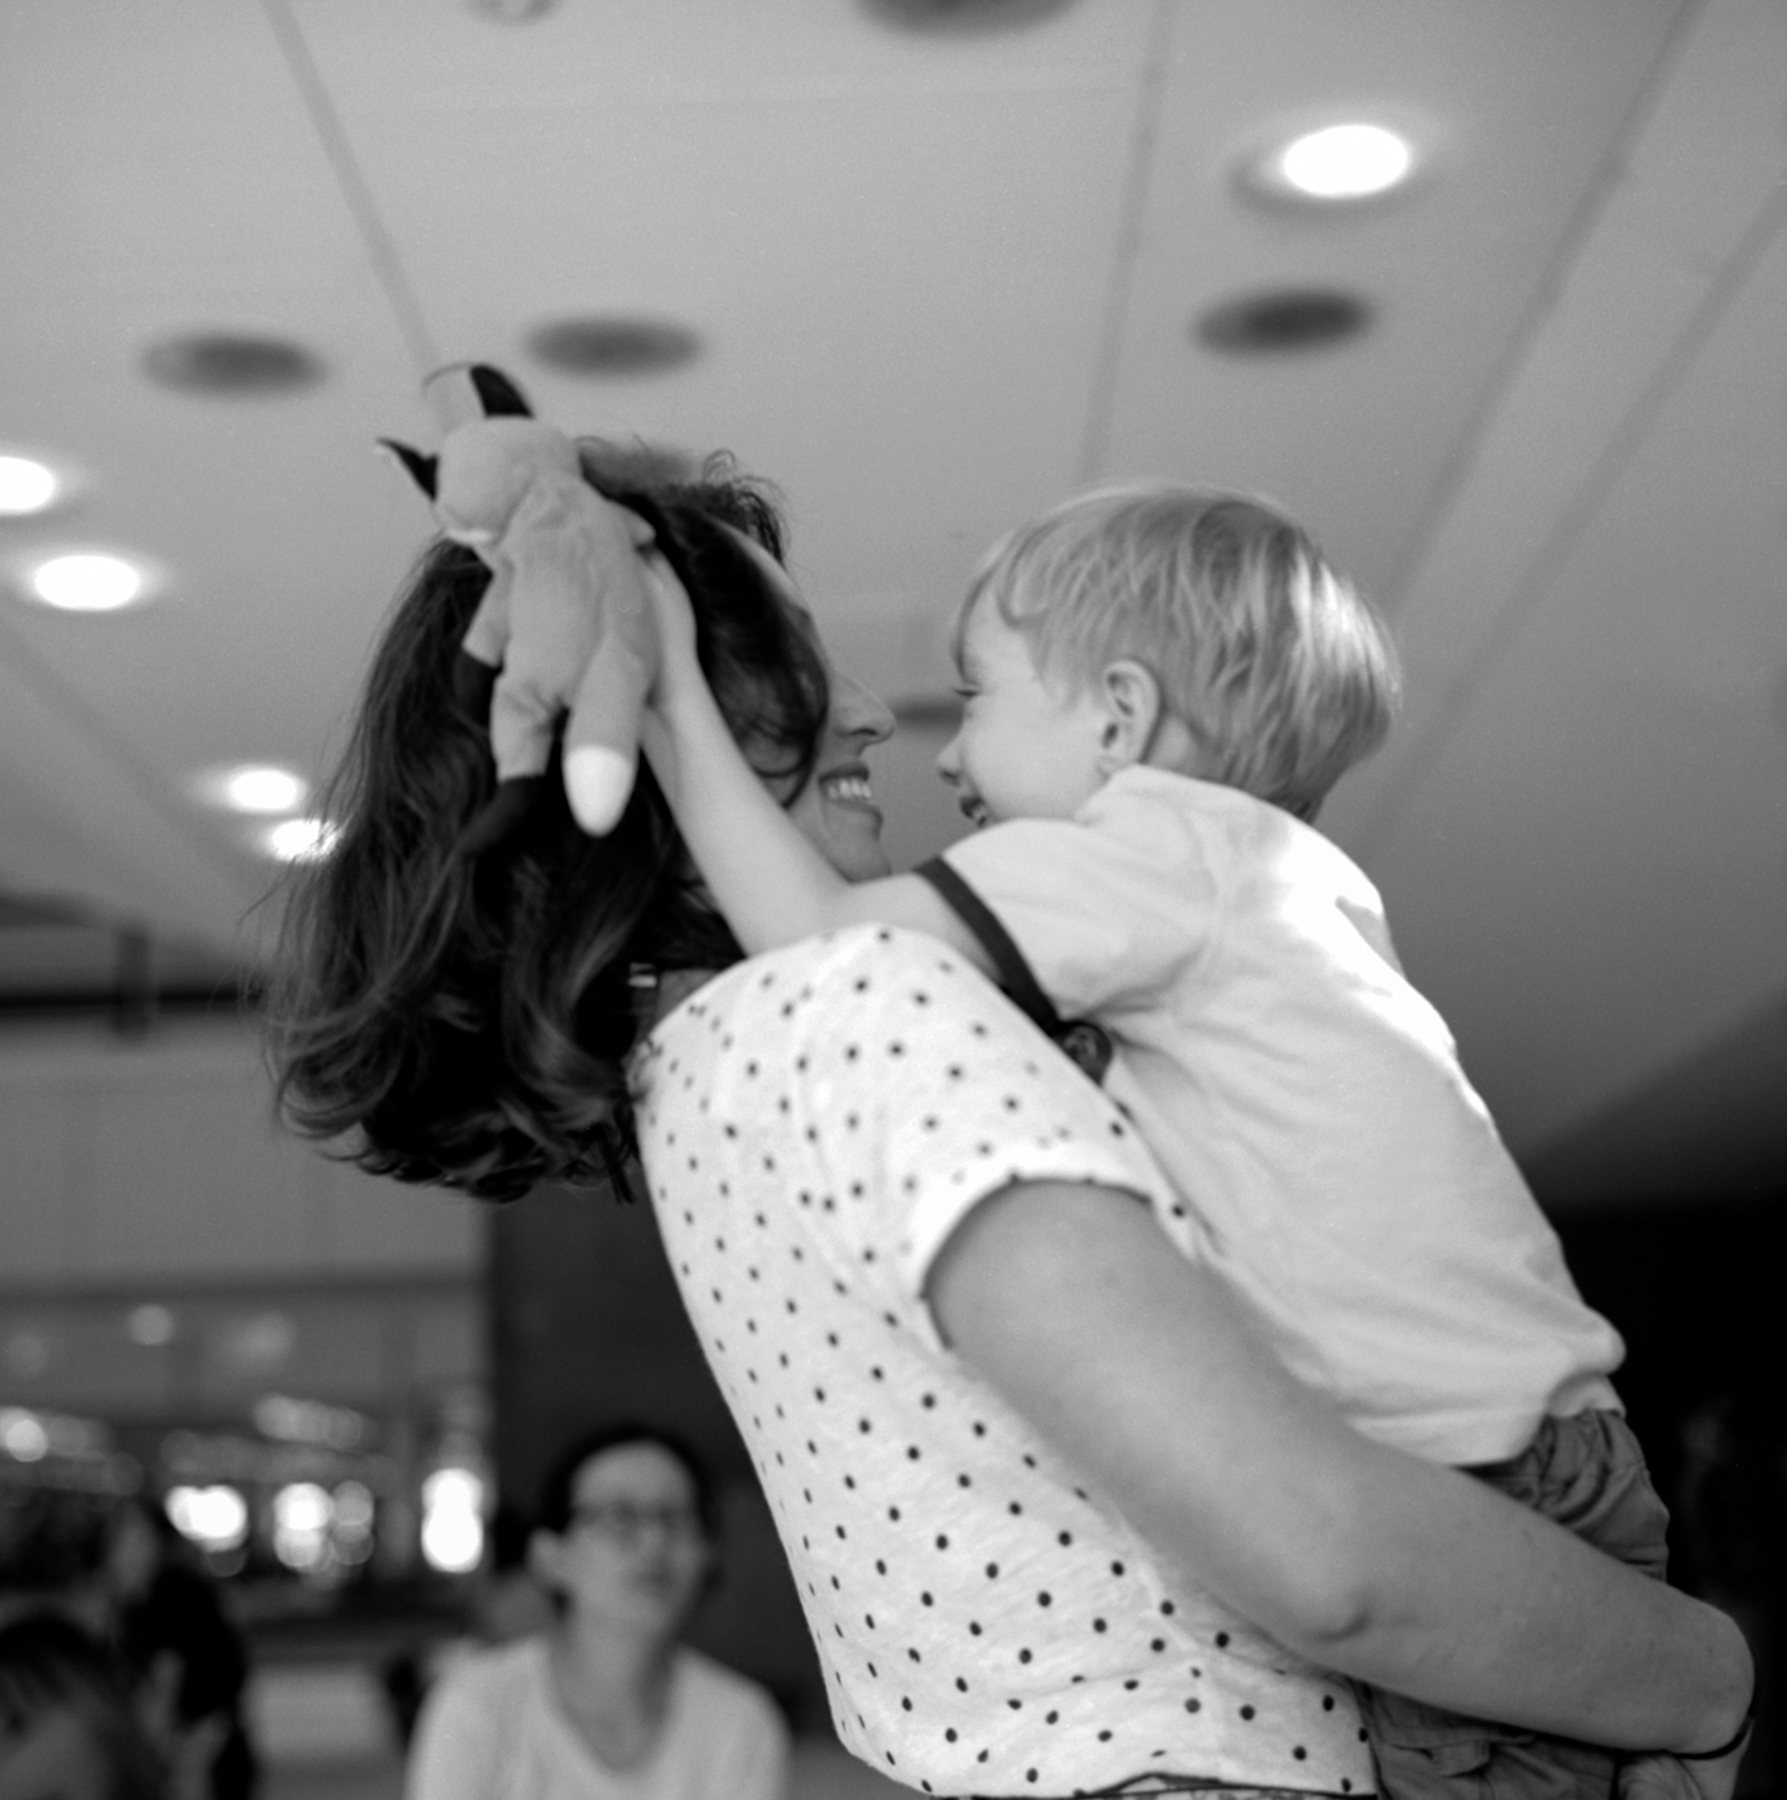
(1129, 697)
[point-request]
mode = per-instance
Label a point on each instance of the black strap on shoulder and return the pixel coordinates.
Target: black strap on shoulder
(1008, 959)
(1087, 1045)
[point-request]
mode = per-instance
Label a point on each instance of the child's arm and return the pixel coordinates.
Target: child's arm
(772, 885)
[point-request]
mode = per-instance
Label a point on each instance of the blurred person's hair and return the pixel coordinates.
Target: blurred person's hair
(554, 1506)
(66, 1709)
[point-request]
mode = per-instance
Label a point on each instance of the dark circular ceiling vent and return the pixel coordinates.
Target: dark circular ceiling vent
(1290, 319)
(963, 18)
(614, 346)
(232, 363)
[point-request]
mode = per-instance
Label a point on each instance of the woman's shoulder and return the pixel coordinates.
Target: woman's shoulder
(775, 985)
(495, 1676)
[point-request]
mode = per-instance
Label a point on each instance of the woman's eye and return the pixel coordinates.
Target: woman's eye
(964, 694)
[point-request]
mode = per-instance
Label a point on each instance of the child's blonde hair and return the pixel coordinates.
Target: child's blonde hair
(1278, 666)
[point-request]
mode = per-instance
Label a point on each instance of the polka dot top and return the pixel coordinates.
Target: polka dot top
(814, 1125)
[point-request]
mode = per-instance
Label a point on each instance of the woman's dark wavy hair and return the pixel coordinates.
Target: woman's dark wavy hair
(464, 1020)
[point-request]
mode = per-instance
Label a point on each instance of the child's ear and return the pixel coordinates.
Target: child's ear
(1130, 699)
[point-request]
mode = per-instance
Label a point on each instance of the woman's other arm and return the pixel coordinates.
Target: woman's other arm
(1136, 1365)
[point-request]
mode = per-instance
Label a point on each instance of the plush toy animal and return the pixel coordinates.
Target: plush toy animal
(566, 626)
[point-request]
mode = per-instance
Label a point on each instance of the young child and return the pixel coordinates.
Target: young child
(1160, 685)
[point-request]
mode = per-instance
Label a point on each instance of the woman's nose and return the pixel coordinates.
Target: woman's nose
(855, 712)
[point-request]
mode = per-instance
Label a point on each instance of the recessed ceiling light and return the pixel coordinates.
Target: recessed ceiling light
(26, 486)
(963, 17)
(1345, 162)
(89, 581)
(612, 345)
(232, 364)
(1284, 320)
(256, 788)
(302, 840)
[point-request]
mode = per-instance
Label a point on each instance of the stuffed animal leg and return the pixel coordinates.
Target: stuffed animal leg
(567, 622)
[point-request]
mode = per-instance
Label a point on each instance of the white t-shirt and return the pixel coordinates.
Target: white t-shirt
(492, 1729)
(814, 1125)
(1331, 1159)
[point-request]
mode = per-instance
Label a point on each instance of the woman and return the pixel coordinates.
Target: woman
(606, 1702)
(907, 1233)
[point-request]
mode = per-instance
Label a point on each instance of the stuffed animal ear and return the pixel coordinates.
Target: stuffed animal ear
(497, 394)
(423, 469)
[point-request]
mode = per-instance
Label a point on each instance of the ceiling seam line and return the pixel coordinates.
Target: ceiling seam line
(62, 695)
(356, 191)
(1127, 250)
(1455, 469)
(1420, 754)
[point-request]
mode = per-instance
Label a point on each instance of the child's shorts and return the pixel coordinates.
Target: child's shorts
(1587, 1473)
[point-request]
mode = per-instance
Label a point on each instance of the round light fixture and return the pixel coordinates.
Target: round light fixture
(963, 18)
(89, 581)
(614, 346)
(231, 364)
(1282, 321)
(1351, 163)
(1345, 162)
(302, 840)
(256, 788)
(26, 486)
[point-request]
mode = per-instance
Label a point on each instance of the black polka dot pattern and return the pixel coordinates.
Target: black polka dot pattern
(986, 1625)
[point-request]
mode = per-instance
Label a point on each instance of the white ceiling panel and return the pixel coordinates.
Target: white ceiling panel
(942, 280)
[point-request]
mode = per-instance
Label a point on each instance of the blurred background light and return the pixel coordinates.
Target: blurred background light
(258, 788)
(88, 581)
(26, 486)
(22, 1435)
(302, 840)
(150, 1326)
(302, 1514)
(1345, 162)
(214, 1517)
(453, 1520)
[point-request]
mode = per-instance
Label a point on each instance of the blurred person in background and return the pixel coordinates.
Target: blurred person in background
(68, 1730)
(607, 1701)
(186, 1662)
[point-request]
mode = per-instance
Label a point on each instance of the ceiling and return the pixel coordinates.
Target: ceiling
(946, 263)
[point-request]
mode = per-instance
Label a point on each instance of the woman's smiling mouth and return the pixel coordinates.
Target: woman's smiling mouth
(849, 787)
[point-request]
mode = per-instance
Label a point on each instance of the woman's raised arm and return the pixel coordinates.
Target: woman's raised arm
(1137, 1366)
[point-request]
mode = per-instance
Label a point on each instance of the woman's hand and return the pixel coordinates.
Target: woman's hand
(1668, 1778)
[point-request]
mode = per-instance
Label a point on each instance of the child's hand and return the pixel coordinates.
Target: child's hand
(678, 666)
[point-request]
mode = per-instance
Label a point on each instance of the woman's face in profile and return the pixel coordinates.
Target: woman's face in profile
(634, 1553)
(836, 811)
